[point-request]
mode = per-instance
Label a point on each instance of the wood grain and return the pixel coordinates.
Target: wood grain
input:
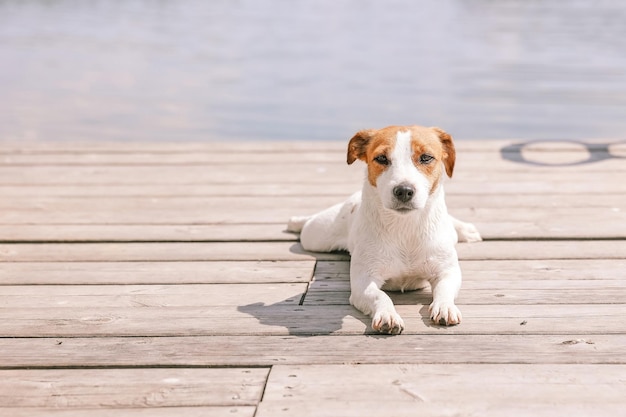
(176, 272)
(285, 318)
(157, 279)
(262, 350)
(417, 389)
(131, 388)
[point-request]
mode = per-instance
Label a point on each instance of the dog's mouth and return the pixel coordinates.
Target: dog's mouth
(403, 209)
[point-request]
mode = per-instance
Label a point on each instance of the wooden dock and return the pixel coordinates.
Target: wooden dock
(157, 279)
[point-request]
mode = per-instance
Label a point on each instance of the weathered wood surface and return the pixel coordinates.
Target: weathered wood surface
(319, 349)
(77, 219)
(250, 175)
(212, 411)
(176, 272)
(290, 251)
(285, 318)
(131, 388)
(157, 279)
(442, 390)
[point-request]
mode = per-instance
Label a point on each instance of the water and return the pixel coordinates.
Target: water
(310, 70)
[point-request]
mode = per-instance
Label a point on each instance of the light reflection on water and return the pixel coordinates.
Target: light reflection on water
(295, 69)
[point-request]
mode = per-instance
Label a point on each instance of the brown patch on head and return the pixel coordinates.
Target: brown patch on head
(357, 148)
(381, 145)
(427, 153)
(367, 145)
(431, 147)
(449, 153)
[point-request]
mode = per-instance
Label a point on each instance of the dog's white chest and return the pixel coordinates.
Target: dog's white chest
(407, 270)
(403, 260)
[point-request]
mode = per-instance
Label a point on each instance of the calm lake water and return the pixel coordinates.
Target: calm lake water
(310, 70)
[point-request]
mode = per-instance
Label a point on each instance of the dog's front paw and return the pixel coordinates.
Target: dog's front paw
(387, 322)
(445, 313)
(467, 232)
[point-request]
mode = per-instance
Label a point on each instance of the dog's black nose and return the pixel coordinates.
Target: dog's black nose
(404, 192)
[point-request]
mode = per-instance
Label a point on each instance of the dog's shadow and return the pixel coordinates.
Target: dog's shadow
(305, 321)
(325, 308)
(308, 318)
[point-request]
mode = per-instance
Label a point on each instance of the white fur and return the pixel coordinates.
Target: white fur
(392, 250)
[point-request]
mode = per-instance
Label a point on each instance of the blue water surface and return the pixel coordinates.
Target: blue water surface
(310, 70)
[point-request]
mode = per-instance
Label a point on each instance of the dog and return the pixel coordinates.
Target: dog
(397, 228)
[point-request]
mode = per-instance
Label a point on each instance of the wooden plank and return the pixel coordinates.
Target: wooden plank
(120, 232)
(511, 250)
(281, 319)
(339, 145)
(250, 173)
(479, 274)
(511, 270)
(586, 269)
(323, 293)
(128, 273)
(331, 286)
(130, 388)
(477, 286)
(213, 146)
(418, 389)
(283, 206)
(229, 153)
(510, 382)
(213, 411)
(289, 251)
(255, 175)
(257, 350)
(199, 295)
(155, 252)
(545, 226)
(539, 162)
(108, 225)
(486, 408)
(519, 186)
(255, 210)
(467, 152)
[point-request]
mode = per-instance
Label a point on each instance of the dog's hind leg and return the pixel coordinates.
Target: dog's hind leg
(296, 223)
(466, 232)
(327, 230)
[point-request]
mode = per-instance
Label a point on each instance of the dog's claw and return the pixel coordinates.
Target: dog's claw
(388, 323)
(445, 314)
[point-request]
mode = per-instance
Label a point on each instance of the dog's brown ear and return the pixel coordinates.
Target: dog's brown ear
(449, 153)
(357, 148)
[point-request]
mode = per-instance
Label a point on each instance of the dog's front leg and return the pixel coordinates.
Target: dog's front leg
(445, 289)
(367, 296)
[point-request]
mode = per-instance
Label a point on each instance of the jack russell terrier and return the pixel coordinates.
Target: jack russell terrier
(397, 229)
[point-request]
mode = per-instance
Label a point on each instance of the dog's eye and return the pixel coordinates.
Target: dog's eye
(382, 159)
(426, 159)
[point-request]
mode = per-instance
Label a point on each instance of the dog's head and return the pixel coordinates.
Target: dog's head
(404, 163)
